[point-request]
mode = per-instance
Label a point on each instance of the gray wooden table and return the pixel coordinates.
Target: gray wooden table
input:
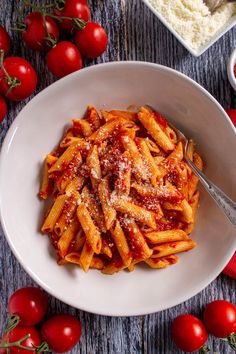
(134, 34)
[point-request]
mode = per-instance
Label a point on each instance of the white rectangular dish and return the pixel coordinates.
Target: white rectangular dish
(202, 49)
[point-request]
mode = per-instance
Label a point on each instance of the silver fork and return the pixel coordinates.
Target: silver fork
(227, 205)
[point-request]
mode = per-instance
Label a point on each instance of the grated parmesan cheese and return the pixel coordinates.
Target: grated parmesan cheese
(193, 20)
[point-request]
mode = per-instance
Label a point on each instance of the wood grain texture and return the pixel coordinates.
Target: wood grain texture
(134, 34)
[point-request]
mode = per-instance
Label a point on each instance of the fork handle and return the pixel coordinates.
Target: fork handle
(227, 205)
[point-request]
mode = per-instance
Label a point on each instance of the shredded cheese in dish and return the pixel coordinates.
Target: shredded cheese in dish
(193, 20)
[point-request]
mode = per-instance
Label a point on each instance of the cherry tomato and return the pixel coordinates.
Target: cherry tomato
(64, 59)
(189, 333)
(3, 108)
(23, 79)
(230, 269)
(232, 114)
(61, 332)
(75, 9)
(220, 318)
(19, 332)
(92, 40)
(4, 40)
(35, 35)
(30, 304)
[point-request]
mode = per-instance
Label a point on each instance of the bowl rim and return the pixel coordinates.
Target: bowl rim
(10, 136)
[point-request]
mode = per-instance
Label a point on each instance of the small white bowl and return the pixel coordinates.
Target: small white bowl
(36, 131)
(230, 69)
(195, 52)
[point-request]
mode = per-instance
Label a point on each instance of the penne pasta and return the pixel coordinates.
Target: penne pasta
(158, 263)
(148, 121)
(182, 180)
(69, 173)
(140, 214)
(54, 214)
(121, 243)
(122, 171)
(97, 263)
(92, 117)
(107, 130)
(193, 179)
(92, 234)
(163, 192)
(93, 164)
(75, 185)
(114, 266)
(138, 166)
(153, 170)
(86, 256)
(106, 250)
(73, 257)
(66, 238)
(167, 249)
(122, 192)
(67, 213)
(124, 114)
(78, 241)
(64, 160)
(138, 245)
(193, 202)
(47, 184)
(187, 212)
(82, 126)
(156, 237)
(94, 208)
(108, 211)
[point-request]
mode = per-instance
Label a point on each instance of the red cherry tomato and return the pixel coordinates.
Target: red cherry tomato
(92, 40)
(22, 73)
(189, 333)
(64, 59)
(232, 114)
(19, 332)
(220, 318)
(35, 35)
(75, 9)
(3, 108)
(61, 332)
(230, 269)
(30, 304)
(4, 40)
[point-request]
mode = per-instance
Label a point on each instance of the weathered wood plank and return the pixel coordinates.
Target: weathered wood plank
(134, 34)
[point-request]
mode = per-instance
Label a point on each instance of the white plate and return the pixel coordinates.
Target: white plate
(36, 131)
(201, 50)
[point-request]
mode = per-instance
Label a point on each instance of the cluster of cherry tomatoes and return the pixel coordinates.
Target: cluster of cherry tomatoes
(41, 32)
(27, 307)
(219, 319)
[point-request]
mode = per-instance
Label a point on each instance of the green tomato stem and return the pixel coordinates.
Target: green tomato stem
(204, 349)
(59, 4)
(2, 66)
(78, 22)
(43, 347)
(12, 322)
(49, 40)
(231, 339)
(17, 344)
(11, 81)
